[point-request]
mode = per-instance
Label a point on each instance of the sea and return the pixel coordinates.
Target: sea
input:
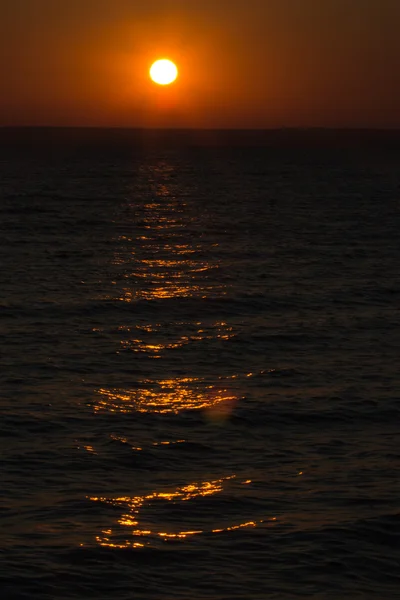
(199, 364)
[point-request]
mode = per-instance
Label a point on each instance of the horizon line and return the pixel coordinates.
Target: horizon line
(222, 129)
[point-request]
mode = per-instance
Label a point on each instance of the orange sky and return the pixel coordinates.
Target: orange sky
(243, 63)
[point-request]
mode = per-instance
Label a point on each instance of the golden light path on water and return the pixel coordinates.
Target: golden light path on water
(142, 533)
(160, 279)
(124, 440)
(164, 258)
(165, 396)
(152, 336)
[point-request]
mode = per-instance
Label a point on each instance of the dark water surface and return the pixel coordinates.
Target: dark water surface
(200, 374)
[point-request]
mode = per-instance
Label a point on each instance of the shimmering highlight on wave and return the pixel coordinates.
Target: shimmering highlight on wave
(132, 506)
(164, 396)
(168, 290)
(160, 260)
(152, 337)
(124, 440)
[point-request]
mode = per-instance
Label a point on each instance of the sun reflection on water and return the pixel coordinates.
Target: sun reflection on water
(164, 396)
(162, 256)
(125, 441)
(131, 515)
(153, 343)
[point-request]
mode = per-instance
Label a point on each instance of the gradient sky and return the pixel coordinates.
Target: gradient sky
(243, 63)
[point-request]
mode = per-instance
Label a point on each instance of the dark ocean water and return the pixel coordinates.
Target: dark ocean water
(199, 365)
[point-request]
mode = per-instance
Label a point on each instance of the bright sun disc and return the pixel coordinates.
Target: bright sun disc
(163, 72)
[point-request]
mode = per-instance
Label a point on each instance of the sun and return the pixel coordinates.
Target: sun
(163, 72)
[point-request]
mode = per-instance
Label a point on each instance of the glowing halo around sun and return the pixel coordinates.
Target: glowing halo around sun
(163, 72)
